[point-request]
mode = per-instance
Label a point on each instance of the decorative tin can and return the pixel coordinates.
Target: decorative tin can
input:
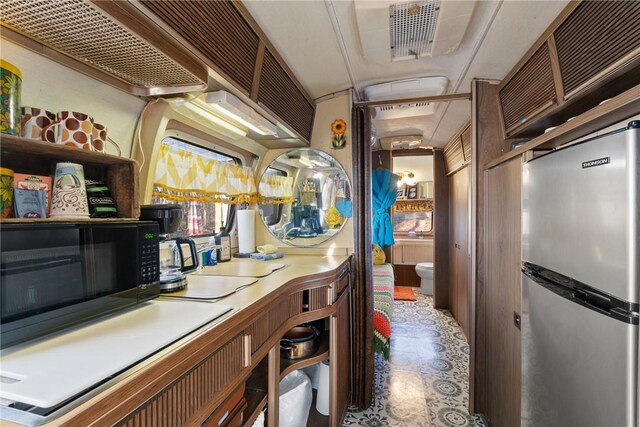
(6, 193)
(11, 84)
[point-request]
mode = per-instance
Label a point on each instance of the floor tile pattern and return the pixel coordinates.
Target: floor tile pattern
(426, 380)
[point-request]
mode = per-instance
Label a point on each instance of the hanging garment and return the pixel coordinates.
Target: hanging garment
(384, 188)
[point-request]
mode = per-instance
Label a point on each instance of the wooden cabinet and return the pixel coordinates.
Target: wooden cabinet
(596, 40)
(340, 353)
(457, 152)
(503, 260)
(530, 92)
(459, 248)
(25, 155)
(412, 251)
(590, 53)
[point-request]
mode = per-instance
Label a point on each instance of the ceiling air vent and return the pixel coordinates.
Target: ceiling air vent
(413, 26)
(403, 89)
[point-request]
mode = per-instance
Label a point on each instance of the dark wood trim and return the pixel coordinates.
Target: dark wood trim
(435, 98)
(555, 69)
(441, 233)
(273, 392)
(616, 109)
(487, 144)
(255, 85)
(361, 261)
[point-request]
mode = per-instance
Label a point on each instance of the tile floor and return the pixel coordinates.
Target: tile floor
(426, 381)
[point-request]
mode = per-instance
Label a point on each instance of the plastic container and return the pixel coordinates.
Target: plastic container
(6, 193)
(11, 84)
(295, 400)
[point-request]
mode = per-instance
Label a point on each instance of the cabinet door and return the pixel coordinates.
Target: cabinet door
(502, 294)
(459, 260)
(396, 254)
(529, 93)
(340, 354)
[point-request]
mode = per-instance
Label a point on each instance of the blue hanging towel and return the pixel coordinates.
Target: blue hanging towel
(384, 191)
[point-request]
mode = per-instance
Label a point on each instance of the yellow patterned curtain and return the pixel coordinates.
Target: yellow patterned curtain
(276, 189)
(183, 175)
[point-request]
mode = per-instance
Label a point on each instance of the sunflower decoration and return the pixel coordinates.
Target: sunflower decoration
(338, 128)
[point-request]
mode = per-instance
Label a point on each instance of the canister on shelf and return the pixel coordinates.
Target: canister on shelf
(11, 84)
(6, 193)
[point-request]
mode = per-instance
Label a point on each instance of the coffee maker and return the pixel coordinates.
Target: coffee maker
(307, 219)
(179, 256)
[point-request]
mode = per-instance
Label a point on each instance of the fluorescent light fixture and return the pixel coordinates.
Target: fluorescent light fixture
(305, 162)
(288, 131)
(207, 115)
(233, 108)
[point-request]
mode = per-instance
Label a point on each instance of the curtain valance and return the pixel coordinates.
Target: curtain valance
(413, 205)
(183, 175)
(276, 189)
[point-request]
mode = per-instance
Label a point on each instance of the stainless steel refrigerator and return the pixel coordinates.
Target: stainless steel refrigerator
(580, 297)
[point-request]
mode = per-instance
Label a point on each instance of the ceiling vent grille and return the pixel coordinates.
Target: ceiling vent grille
(413, 26)
(84, 33)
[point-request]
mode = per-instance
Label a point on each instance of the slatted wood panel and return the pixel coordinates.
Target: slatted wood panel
(176, 404)
(466, 143)
(318, 298)
(217, 30)
(281, 95)
(529, 92)
(453, 155)
(596, 35)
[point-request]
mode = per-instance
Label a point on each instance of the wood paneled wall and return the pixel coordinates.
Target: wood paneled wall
(441, 232)
(487, 144)
(502, 303)
(361, 261)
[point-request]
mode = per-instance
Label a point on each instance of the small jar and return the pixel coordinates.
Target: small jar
(11, 85)
(6, 193)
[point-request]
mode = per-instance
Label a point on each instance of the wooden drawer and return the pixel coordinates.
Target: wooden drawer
(188, 394)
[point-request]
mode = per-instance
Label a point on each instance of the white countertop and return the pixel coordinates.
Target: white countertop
(61, 365)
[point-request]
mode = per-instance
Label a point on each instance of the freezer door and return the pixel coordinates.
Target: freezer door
(578, 365)
(580, 213)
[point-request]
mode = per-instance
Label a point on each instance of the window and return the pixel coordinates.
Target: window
(272, 212)
(412, 216)
(199, 218)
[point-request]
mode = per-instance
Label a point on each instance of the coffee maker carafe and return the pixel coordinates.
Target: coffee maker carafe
(177, 256)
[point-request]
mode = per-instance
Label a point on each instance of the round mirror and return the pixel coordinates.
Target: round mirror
(305, 197)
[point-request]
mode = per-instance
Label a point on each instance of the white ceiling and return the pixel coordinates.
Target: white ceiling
(498, 35)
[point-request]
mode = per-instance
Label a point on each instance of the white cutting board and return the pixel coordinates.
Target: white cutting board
(52, 369)
(252, 268)
(211, 287)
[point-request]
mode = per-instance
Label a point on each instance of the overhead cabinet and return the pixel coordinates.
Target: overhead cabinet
(230, 42)
(151, 48)
(590, 53)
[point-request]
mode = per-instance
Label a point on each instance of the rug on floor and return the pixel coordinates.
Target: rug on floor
(403, 293)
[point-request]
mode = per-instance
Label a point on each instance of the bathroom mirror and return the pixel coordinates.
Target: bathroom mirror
(305, 197)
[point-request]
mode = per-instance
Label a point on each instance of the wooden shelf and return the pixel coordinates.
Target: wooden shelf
(616, 109)
(288, 365)
(24, 155)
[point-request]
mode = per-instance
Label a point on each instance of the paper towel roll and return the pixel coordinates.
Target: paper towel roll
(246, 231)
(322, 398)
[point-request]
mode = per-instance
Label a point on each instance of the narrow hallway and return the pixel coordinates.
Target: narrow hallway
(426, 381)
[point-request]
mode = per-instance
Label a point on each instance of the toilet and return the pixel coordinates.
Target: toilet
(425, 271)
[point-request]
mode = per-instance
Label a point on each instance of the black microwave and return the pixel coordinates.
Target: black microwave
(54, 275)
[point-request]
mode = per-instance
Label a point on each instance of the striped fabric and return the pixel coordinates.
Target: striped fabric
(382, 307)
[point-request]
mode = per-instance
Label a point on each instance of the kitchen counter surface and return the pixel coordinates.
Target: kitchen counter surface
(298, 267)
